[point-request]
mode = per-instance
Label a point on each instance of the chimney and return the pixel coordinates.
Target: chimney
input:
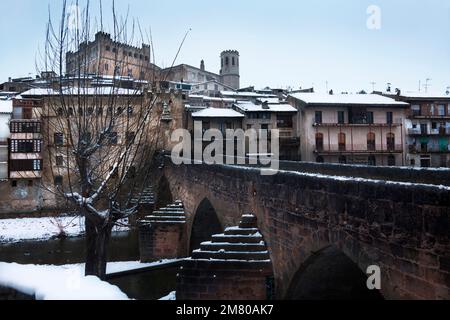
(202, 65)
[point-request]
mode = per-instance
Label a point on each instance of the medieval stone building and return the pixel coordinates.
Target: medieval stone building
(108, 57)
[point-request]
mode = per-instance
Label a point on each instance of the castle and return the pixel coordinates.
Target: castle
(107, 57)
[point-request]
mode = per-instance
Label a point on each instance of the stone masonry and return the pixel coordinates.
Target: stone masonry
(402, 228)
(161, 234)
(234, 265)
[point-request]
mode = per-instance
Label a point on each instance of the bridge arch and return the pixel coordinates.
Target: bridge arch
(329, 274)
(206, 223)
(163, 194)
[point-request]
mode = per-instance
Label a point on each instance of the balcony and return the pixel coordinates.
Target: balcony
(359, 149)
(356, 125)
(433, 132)
(427, 149)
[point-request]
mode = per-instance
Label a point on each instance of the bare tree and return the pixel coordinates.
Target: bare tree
(100, 140)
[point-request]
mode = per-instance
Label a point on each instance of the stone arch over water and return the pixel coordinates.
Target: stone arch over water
(205, 224)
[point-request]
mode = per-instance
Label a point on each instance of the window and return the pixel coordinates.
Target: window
(371, 146)
(30, 183)
(433, 126)
(284, 121)
(341, 138)
(320, 159)
(70, 111)
(391, 161)
(424, 128)
(26, 165)
(25, 127)
(130, 110)
(59, 138)
(114, 50)
(58, 181)
(390, 141)
(227, 61)
(59, 161)
(415, 108)
(59, 112)
(106, 67)
(441, 110)
(370, 117)
(14, 183)
(318, 117)
(342, 159)
(319, 141)
(108, 48)
(146, 58)
(26, 146)
(341, 117)
(90, 110)
(389, 118)
(371, 161)
(233, 61)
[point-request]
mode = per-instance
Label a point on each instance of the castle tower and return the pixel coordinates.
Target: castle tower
(230, 68)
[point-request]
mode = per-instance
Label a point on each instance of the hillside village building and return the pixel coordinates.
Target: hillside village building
(106, 56)
(428, 128)
(351, 128)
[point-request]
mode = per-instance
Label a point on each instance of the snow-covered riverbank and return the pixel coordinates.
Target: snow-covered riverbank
(57, 283)
(41, 229)
(67, 282)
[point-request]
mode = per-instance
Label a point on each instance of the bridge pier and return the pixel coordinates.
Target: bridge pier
(162, 234)
(235, 265)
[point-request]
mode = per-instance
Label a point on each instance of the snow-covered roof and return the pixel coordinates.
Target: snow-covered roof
(422, 95)
(347, 99)
(206, 98)
(245, 94)
(217, 113)
(6, 106)
(83, 91)
(268, 100)
(251, 107)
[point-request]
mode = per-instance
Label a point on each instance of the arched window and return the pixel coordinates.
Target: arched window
(232, 61)
(320, 159)
(372, 161)
(319, 141)
(390, 141)
(227, 61)
(341, 138)
(342, 159)
(391, 160)
(371, 141)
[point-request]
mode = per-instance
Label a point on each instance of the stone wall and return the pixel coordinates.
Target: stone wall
(402, 228)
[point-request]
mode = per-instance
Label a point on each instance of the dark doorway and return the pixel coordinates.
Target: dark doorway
(206, 223)
(330, 275)
(164, 196)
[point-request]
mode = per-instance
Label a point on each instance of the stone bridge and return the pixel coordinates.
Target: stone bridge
(319, 228)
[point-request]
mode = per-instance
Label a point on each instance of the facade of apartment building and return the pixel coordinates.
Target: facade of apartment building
(26, 140)
(428, 129)
(351, 128)
(269, 116)
(5, 116)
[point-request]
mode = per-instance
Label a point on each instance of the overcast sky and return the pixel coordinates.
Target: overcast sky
(281, 43)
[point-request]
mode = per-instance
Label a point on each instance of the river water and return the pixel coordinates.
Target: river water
(123, 247)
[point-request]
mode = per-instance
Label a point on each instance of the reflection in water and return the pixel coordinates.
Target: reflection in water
(151, 285)
(123, 247)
